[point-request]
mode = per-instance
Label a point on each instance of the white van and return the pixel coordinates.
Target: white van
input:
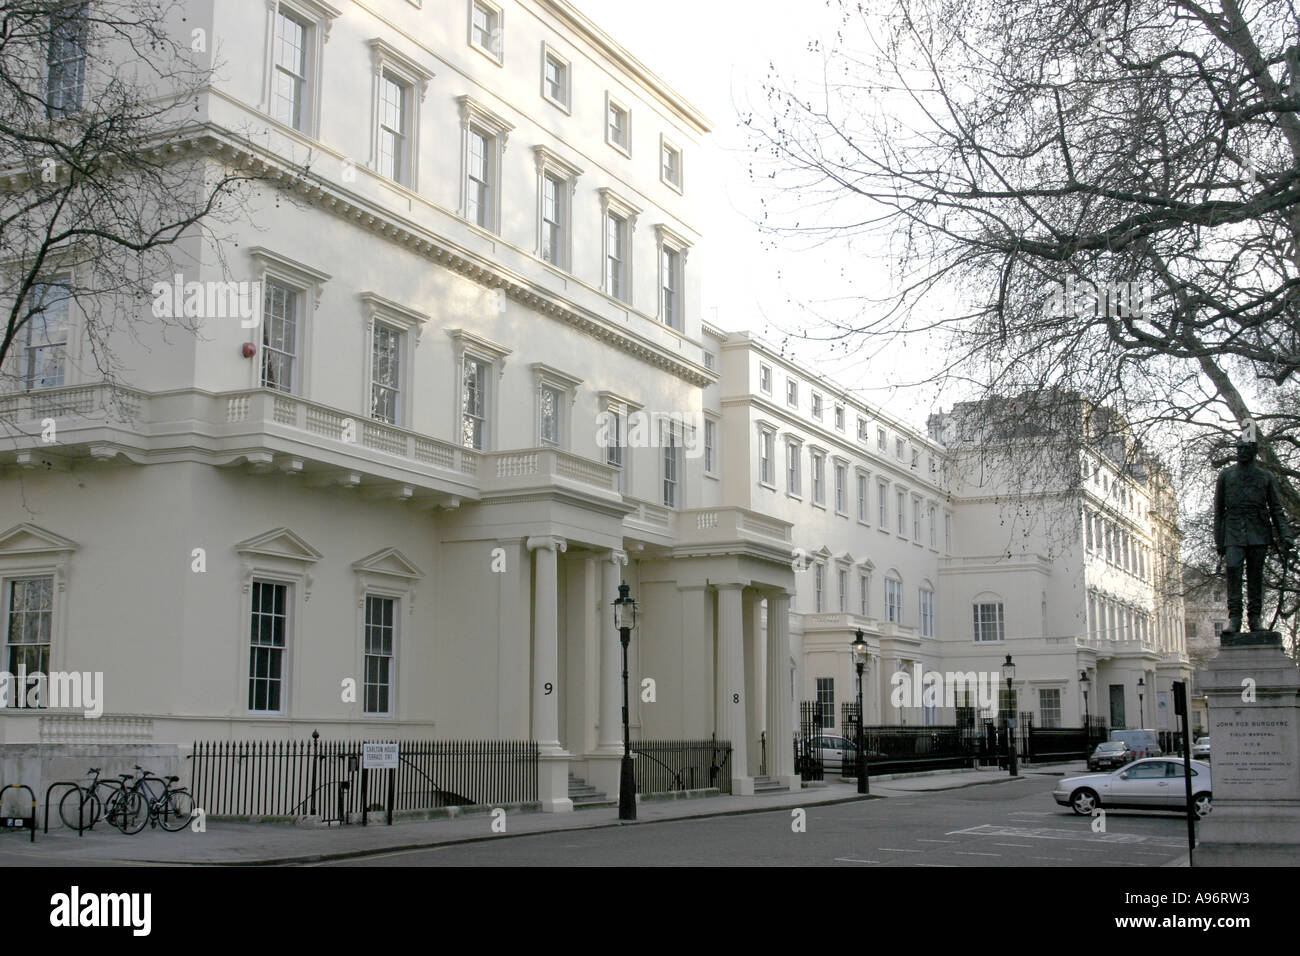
(1143, 743)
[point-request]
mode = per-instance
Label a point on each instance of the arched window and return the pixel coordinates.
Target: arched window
(894, 597)
(989, 618)
(925, 609)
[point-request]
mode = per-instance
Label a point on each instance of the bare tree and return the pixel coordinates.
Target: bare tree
(101, 173)
(1110, 187)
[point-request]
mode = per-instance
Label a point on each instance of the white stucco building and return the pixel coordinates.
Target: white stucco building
(948, 559)
(477, 396)
(1070, 564)
(399, 479)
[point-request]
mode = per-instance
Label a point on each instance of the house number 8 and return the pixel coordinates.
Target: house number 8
(735, 698)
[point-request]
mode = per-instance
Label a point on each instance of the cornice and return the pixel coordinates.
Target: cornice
(573, 18)
(435, 248)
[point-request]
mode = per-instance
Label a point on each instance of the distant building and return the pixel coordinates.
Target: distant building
(1068, 531)
(948, 553)
(1205, 602)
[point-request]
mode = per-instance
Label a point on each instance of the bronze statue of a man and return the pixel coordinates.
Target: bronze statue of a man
(1248, 516)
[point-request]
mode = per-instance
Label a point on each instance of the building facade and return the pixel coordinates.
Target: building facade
(948, 555)
(399, 502)
(395, 499)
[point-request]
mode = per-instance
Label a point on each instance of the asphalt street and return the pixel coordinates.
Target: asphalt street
(1012, 823)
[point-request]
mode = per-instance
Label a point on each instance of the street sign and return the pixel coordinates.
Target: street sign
(379, 756)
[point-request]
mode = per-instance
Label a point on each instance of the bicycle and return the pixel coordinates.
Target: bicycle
(172, 808)
(81, 808)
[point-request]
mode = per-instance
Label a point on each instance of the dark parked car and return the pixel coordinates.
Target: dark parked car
(1109, 755)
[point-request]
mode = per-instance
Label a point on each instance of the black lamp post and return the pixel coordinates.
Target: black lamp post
(859, 646)
(1009, 672)
(1084, 684)
(625, 620)
(1142, 717)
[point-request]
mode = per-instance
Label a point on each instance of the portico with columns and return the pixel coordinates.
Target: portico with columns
(710, 628)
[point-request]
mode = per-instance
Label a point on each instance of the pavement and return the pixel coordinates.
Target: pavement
(226, 843)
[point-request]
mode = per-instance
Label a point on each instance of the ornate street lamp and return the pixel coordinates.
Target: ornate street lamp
(859, 647)
(625, 620)
(1084, 684)
(1009, 673)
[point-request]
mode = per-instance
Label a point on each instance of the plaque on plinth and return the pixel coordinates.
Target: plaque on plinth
(1253, 693)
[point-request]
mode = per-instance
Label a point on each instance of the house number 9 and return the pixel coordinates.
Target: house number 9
(548, 687)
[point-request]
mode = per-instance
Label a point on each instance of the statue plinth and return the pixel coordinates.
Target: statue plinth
(1253, 692)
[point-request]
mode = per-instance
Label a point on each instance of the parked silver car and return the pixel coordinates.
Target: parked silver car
(836, 752)
(1155, 783)
(1201, 749)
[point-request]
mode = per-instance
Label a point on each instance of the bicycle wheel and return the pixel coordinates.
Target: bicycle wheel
(129, 811)
(104, 794)
(79, 809)
(175, 810)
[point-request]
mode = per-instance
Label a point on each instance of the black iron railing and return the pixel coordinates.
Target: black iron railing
(892, 749)
(807, 751)
(665, 766)
(323, 777)
(1061, 743)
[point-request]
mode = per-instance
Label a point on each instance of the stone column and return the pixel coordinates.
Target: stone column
(780, 720)
(753, 642)
(611, 655)
(604, 763)
(1254, 700)
(731, 692)
(553, 783)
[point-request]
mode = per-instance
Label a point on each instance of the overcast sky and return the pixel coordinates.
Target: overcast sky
(716, 53)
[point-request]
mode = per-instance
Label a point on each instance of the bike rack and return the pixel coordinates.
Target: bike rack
(59, 783)
(29, 823)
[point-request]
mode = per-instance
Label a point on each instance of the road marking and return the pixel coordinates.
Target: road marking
(1025, 845)
(919, 840)
(1059, 833)
(1083, 849)
(890, 849)
(972, 853)
(1059, 859)
(849, 859)
(1028, 813)
(949, 865)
